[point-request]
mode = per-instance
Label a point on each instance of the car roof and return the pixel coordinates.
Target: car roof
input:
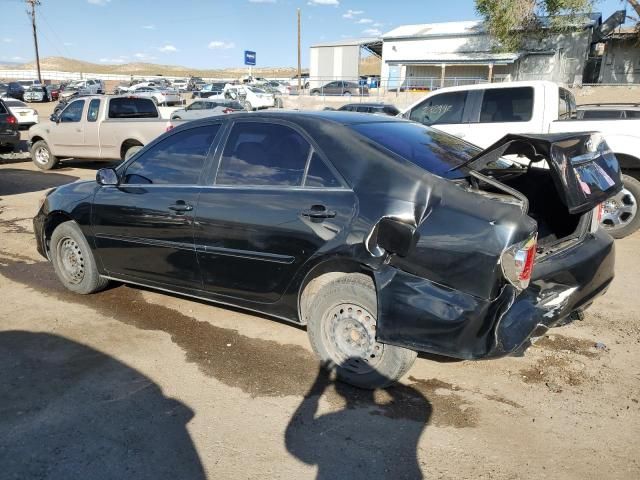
(369, 104)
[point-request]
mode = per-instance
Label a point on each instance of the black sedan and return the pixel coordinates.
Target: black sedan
(9, 134)
(383, 236)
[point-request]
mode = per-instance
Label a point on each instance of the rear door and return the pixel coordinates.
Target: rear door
(92, 129)
(144, 226)
(274, 203)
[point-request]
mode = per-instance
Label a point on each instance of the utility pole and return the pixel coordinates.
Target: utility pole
(32, 13)
(299, 64)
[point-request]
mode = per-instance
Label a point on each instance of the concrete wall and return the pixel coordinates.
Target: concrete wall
(621, 62)
(328, 63)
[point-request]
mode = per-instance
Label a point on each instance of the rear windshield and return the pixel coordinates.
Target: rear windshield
(3, 110)
(132, 108)
(430, 149)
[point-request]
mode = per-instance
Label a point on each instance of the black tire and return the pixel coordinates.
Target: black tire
(247, 106)
(176, 118)
(628, 198)
(131, 151)
(7, 148)
(42, 157)
(73, 260)
(315, 93)
(354, 296)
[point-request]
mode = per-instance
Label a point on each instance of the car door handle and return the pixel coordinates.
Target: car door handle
(318, 211)
(180, 207)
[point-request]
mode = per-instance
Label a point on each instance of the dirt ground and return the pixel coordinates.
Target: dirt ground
(130, 383)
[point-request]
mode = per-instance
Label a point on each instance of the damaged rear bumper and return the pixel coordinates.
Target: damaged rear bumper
(422, 315)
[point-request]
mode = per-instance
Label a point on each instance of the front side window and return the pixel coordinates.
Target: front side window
(73, 113)
(195, 106)
(92, 112)
(440, 109)
(507, 105)
(263, 154)
(177, 160)
(319, 175)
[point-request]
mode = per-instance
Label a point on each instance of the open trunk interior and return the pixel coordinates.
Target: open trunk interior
(555, 223)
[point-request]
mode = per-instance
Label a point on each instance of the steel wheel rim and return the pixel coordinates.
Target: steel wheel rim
(349, 331)
(619, 210)
(42, 155)
(71, 260)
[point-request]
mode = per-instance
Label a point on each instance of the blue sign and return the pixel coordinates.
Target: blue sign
(249, 57)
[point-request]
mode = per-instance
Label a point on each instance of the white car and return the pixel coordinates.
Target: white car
(251, 98)
(180, 85)
(207, 107)
(162, 96)
(25, 115)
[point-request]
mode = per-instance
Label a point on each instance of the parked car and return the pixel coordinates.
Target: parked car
(159, 96)
(209, 90)
(608, 111)
(96, 127)
(280, 87)
(180, 85)
(384, 237)
(53, 91)
(195, 83)
(251, 98)
(64, 101)
(341, 88)
(206, 107)
(9, 134)
(375, 108)
(481, 114)
(25, 115)
(91, 87)
(36, 93)
(14, 90)
(304, 81)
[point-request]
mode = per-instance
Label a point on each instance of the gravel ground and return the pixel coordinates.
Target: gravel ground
(131, 383)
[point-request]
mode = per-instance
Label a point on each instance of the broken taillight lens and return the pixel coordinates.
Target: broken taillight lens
(518, 260)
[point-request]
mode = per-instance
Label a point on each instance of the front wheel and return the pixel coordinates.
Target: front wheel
(620, 216)
(42, 157)
(73, 260)
(247, 106)
(342, 331)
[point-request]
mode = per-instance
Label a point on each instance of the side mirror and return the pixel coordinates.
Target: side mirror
(107, 176)
(54, 118)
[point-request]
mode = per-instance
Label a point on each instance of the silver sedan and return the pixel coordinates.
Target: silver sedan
(162, 96)
(206, 107)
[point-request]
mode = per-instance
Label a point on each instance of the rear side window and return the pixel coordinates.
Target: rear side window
(507, 105)
(430, 149)
(602, 114)
(92, 112)
(319, 175)
(132, 108)
(440, 109)
(263, 154)
(177, 160)
(633, 113)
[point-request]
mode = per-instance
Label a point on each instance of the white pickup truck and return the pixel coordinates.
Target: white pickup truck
(96, 127)
(482, 114)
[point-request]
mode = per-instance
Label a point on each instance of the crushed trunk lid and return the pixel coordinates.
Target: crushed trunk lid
(586, 172)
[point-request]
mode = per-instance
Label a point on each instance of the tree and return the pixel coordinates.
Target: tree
(508, 21)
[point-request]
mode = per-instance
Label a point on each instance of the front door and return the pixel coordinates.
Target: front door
(144, 226)
(274, 203)
(67, 135)
(446, 111)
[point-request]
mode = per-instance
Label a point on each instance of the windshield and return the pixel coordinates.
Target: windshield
(430, 149)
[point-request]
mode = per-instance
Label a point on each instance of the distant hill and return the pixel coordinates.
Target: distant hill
(70, 65)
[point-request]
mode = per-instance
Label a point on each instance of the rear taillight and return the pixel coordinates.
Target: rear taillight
(517, 262)
(11, 120)
(596, 217)
(227, 110)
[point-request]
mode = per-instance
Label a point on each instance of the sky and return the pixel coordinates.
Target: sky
(210, 33)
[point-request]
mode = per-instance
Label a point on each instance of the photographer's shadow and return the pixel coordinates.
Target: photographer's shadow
(374, 435)
(72, 412)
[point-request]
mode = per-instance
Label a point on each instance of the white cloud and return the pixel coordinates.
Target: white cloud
(377, 24)
(262, 1)
(102, 3)
(363, 21)
(7, 40)
(372, 32)
(149, 27)
(16, 58)
(168, 49)
(144, 56)
(324, 2)
(217, 44)
(68, 44)
(352, 13)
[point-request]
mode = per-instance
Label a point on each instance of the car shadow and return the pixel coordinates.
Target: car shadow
(86, 164)
(70, 411)
(373, 434)
(14, 181)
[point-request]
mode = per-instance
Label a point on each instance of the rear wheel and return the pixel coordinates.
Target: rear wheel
(620, 217)
(42, 157)
(342, 331)
(73, 260)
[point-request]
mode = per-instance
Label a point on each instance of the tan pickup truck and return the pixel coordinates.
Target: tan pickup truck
(98, 127)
